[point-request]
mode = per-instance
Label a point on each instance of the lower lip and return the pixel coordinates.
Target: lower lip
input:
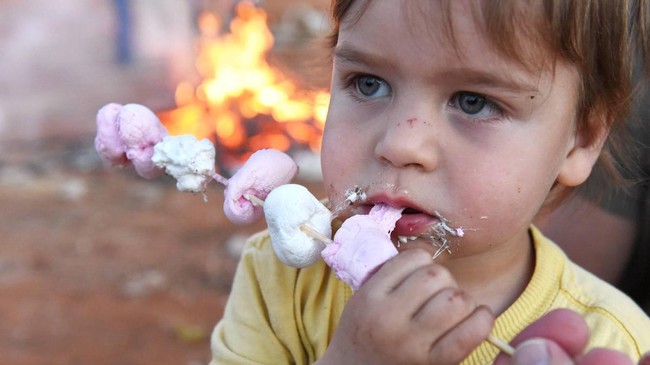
(413, 224)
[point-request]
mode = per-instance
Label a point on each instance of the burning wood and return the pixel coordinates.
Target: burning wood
(242, 103)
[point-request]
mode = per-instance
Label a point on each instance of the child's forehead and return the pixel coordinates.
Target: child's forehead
(513, 29)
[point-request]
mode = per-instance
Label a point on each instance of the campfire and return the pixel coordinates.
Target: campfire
(242, 103)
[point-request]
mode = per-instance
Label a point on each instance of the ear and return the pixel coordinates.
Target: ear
(580, 160)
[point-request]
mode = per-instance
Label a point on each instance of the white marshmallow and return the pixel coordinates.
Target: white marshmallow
(287, 208)
(190, 161)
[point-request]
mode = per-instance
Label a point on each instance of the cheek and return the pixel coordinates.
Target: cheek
(504, 193)
(339, 156)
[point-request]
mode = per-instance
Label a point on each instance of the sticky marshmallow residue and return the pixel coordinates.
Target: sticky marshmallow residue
(189, 161)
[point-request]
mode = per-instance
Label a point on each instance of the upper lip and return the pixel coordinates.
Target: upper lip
(394, 201)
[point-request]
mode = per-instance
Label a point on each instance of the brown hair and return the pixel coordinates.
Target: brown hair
(604, 39)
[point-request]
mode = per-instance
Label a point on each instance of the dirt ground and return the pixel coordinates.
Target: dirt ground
(99, 266)
(103, 267)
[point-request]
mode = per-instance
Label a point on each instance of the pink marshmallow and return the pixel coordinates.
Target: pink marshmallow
(264, 171)
(140, 130)
(108, 142)
(362, 245)
(126, 135)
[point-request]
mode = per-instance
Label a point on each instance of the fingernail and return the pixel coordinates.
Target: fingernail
(532, 352)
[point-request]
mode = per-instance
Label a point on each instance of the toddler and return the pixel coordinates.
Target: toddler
(471, 113)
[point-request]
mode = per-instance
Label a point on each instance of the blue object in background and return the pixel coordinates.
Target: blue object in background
(123, 46)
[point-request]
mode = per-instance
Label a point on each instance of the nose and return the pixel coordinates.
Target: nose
(409, 140)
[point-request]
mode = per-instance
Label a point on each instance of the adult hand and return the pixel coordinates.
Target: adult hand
(559, 338)
(410, 311)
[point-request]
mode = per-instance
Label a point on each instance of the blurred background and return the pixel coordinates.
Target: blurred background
(98, 265)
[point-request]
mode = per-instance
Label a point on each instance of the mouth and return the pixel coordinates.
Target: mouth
(415, 223)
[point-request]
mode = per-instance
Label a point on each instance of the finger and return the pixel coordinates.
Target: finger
(561, 326)
(442, 311)
(602, 356)
(396, 270)
(461, 340)
(422, 285)
(537, 351)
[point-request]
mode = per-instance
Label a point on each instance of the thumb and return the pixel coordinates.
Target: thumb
(538, 351)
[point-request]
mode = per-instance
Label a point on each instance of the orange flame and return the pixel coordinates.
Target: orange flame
(239, 86)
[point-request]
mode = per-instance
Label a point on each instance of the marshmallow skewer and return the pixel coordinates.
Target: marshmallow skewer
(133, 135)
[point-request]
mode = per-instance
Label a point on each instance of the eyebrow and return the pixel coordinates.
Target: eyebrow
(485, 79)
(464, 75)
(351, 55)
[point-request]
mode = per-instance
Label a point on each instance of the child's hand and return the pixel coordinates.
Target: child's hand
(410, 312)
(559, 338)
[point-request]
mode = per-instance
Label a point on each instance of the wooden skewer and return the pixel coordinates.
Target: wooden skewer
(501, 344)
(305, 228)
(255, 200)
(315, 234)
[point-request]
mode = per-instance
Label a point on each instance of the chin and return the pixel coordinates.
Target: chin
(439, 251)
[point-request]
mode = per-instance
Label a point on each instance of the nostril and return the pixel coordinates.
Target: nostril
(416, 165)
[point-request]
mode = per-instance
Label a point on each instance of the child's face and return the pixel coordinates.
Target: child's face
(457, 131)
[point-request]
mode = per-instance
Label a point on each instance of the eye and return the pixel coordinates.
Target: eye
(471, 103)
(372, 87)
(476, 106)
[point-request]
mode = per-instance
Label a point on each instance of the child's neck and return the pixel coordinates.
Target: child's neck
(498, 277)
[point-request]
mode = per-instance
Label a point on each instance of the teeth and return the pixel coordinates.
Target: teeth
(405, 239)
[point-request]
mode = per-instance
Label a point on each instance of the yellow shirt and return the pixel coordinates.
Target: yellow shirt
(281, 315)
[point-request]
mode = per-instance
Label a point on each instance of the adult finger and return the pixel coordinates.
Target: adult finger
(540, 351)
(602, 356)
(561, 326)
